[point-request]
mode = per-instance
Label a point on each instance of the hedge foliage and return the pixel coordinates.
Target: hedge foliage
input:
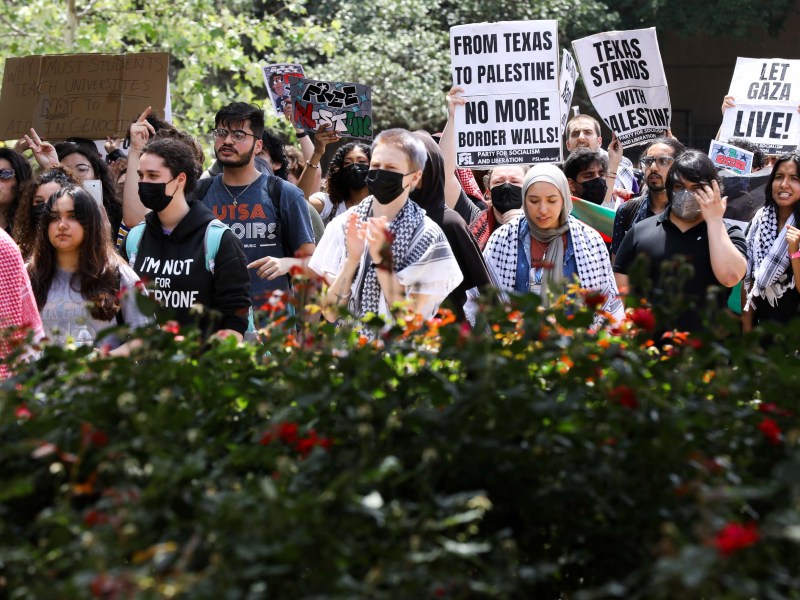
(526, 458)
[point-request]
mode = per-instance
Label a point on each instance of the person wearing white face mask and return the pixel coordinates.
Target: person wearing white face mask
(385, 250)
(691, 227)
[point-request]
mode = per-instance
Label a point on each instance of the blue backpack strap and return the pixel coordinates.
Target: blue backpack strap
(132, 242)
(214, 231)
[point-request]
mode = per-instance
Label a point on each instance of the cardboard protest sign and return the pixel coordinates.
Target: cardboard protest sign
(505, 58)
(508, 129)
(624, 75)
(766, 92)
(276, 78)
(346, 107)
(80, 95)
(730, 157)
(509, 73)
(566, 86)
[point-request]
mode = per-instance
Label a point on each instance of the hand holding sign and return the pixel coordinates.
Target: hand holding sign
(141, 131)
(43, 152)
(454, 99)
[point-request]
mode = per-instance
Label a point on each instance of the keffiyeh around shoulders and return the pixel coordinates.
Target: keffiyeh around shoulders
(767, 257)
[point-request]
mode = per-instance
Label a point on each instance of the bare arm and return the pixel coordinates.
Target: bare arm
(447, 144)
(338, 293)
(793, 239)
(727, 263)
(311, 177)
(614, 158)
(133, 211)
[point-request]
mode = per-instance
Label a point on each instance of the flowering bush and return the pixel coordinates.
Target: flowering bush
(526, 458)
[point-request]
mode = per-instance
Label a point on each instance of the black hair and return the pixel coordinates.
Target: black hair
(97, 278)
(239, 112)
(178, 157)
(758, 154)
(677, 147)
(274, 146)
(337, 189)
(24, 233)
(695, 167)
(582, 159)
(790, 157)
(22, 172)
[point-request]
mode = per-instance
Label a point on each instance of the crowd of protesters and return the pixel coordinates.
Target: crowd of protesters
(391, 223)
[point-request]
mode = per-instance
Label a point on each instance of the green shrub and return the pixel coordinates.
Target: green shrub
(525, 459)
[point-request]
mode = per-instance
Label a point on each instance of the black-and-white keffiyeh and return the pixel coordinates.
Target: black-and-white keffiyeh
(591, 256)
(767, 257)
(414, 245)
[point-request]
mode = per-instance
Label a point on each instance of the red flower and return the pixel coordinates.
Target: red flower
(287, 432)
(770, 430)
(625, 396)
(734, 537)
(267, 438)
(772, 408)
(95, 517)
(644, 319)
(22, 412)
(172, 327)
(594, 299)
(99, 438)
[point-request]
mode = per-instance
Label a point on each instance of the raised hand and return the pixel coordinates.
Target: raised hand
(44, 152)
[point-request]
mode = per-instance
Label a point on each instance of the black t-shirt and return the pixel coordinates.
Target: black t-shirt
(787, 306)
(661, 243)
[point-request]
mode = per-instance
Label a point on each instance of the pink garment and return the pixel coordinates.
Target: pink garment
(18, 312)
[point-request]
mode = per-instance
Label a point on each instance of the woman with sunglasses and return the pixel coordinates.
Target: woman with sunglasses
(79, 281)
(14, 172)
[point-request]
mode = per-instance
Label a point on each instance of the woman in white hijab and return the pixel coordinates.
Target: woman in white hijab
(545, 248)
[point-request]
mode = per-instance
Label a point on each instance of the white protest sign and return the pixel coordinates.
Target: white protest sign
(566, 85)
(508, 129)
(766, 92)
(624, 75)
(730, 157)
(509, 73)
(505, 58)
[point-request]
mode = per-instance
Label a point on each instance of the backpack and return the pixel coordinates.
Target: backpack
(211, 240)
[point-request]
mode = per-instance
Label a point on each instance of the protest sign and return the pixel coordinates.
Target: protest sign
(80, 95)
(346, 107)
(730, 157)
(566, 86)
(509, 73)
(505, 58)
(508, 129)
(624, 77)
(276, 78)
(766, 92)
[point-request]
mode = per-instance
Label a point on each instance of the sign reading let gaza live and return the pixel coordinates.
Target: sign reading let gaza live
(509, 73)
(623, 73)
(766, 93)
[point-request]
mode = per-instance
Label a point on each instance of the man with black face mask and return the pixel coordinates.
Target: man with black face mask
(504, 184)
(691, 227)
(586, 173)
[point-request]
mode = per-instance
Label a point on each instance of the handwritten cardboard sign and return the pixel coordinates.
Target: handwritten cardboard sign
(346, 107)
(766, 92)
(80, 95)
(624, 76)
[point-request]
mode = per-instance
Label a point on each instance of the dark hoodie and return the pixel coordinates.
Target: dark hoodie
(175, 263)
(465, 248)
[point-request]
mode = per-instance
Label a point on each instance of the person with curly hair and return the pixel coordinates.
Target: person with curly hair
(14, 172)
(346, 185)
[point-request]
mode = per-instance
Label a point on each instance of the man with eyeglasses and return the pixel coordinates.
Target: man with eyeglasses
(656, 160)
(268, 215)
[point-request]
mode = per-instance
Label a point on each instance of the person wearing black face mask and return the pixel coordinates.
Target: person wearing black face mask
(346, 184)
(31, 208)
(385, 250)
(586, 173)
(505, 197)
(170, 247)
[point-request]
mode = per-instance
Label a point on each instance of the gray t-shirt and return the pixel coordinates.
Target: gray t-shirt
(66, 318)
